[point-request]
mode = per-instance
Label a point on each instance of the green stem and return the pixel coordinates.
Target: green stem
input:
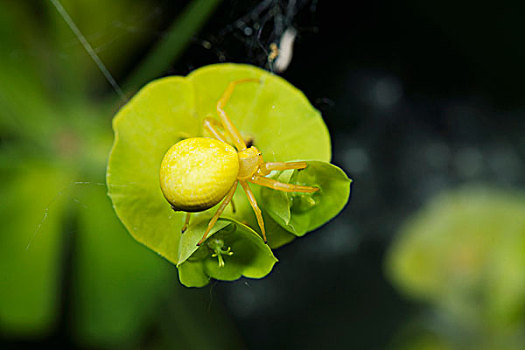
(172, 45)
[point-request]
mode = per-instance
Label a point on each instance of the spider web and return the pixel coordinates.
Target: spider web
(260, 33)
(267, 22)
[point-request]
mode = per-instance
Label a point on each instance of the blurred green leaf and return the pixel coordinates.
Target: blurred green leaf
(116, 30)
(118, 284)
(465, 252)
(33, 199)
(25, 109)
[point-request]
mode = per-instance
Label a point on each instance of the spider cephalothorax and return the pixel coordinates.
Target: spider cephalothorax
(197, 173)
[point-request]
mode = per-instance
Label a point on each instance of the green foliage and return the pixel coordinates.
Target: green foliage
(30, 250)
(109, 267)
(464, 253)
(282, 124)
(231, 251)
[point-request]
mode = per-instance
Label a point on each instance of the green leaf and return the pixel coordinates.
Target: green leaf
(231, 250)
(30, 115)
(157, 117)
(464, 252)
(275, 115)
(276, 234)
(300, 213)
(31, 208)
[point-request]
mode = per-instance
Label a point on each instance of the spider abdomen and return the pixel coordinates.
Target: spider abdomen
(196, 173)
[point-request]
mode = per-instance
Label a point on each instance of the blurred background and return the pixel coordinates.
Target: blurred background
(424, 102)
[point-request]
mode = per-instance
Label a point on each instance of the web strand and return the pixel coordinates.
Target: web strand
(89, 49)
(53, 200)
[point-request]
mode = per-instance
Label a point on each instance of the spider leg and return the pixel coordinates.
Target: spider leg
(219, 211)
(226, 121)
(255, 207)
(280, 186)
(268, 167)
(186, 222)
(233, 206)
(211, 125)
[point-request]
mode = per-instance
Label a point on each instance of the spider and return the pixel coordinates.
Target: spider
(197, 173)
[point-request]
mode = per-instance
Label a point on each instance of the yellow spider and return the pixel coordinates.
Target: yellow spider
(197, 173)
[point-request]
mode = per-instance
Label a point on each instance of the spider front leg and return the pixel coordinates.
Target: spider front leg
(255, 207)
(219, 211)
(186, 222)
(226, 121)
(281, 186)
(268, 167)
(211, 125)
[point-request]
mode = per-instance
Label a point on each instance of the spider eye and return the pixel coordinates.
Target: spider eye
(259, 154)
